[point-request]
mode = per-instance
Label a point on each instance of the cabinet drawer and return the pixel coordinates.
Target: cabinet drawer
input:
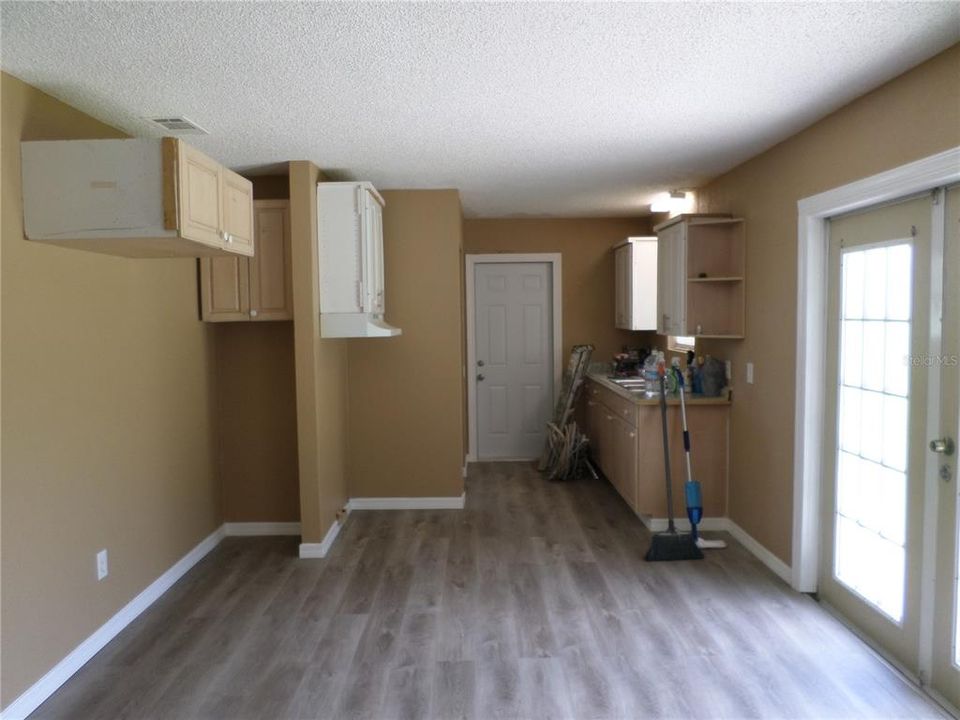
(620, 407)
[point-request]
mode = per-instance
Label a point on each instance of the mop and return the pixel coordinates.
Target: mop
(670, 545)
(692, 487)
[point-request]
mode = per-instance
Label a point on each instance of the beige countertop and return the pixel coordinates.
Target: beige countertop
(640, 398)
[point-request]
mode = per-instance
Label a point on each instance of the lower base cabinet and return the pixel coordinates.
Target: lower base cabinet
(631, 455)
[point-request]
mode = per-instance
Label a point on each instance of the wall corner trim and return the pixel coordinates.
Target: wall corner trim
(248, 529)
(320, 549)
(37, 693)
(455, 502)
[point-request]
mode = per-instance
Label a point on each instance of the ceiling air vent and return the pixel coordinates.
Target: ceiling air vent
(179, 125)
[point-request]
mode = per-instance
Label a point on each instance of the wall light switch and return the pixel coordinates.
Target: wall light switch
(102, 568)
(749, 373)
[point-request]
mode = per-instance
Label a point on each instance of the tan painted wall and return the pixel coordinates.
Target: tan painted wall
(257, 421)
(913, 116)
(406, 407)
(321, 372)
(588, 278)
(108, 417)
(257, 411)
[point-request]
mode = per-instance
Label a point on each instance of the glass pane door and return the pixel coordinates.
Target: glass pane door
(871, 494)
(873, 479)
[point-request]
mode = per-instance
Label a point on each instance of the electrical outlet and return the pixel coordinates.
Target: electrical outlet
(749, 373)
(102, 567)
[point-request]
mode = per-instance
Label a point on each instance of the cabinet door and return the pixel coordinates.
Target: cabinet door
(238, 226)
(626, 463)
(271, 296)
(608, 440)
(199, 197)
(224, 291)
(622, 281)
(595, 423)
(671, 280)
(372, 254)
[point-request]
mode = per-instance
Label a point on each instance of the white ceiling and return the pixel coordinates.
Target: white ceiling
(528, 109)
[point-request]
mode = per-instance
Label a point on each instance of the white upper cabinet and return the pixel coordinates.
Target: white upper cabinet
(350, 256)
(137, 198)
(701, 281)
(636, 284)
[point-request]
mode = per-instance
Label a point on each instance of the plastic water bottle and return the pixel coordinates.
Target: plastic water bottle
(650, 378)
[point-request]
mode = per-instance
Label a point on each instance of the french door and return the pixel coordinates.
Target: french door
(889, 525)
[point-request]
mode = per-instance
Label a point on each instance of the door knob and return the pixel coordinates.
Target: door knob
(480, 363)
(944, 446)
(479, 377)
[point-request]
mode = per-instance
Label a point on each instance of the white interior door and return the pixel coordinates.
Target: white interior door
(514, 358)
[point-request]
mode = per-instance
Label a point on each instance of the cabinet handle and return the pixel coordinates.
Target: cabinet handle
(229, 238)
(253, 313)
(609, 417)
(633, 434)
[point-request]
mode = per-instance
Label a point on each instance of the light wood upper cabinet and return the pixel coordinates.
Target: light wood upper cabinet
(256, 288)
(224, 289)
(198, 195)
(237, 206)
(271, 289)
(137, 198)
(701, 276)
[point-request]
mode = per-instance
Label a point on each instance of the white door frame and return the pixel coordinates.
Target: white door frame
(555, 261)
(812, 240)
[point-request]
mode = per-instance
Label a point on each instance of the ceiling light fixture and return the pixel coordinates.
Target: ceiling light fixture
(669, 202)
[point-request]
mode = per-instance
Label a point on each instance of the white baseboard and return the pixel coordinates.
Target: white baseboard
(779, 567)
(408, 503)
(320, 549)
(261, 528)
(682, 524)
(36, 694)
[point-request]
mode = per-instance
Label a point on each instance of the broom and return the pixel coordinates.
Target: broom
(670, 545)
(692, 488)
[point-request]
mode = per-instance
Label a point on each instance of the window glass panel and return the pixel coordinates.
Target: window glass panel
(896, 365)
(852, 361)
(899, 263)
(853, 285)
(895, 411)
(871, 429)
(850, 425)
(875, 284)
(873, 406)
(872, 350)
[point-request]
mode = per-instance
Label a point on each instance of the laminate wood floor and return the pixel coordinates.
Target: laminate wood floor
(533, 602)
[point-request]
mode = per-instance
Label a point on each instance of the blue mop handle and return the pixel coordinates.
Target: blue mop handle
(694, 505)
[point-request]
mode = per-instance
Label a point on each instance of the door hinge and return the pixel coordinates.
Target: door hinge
(935, 195)
(913, 230)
